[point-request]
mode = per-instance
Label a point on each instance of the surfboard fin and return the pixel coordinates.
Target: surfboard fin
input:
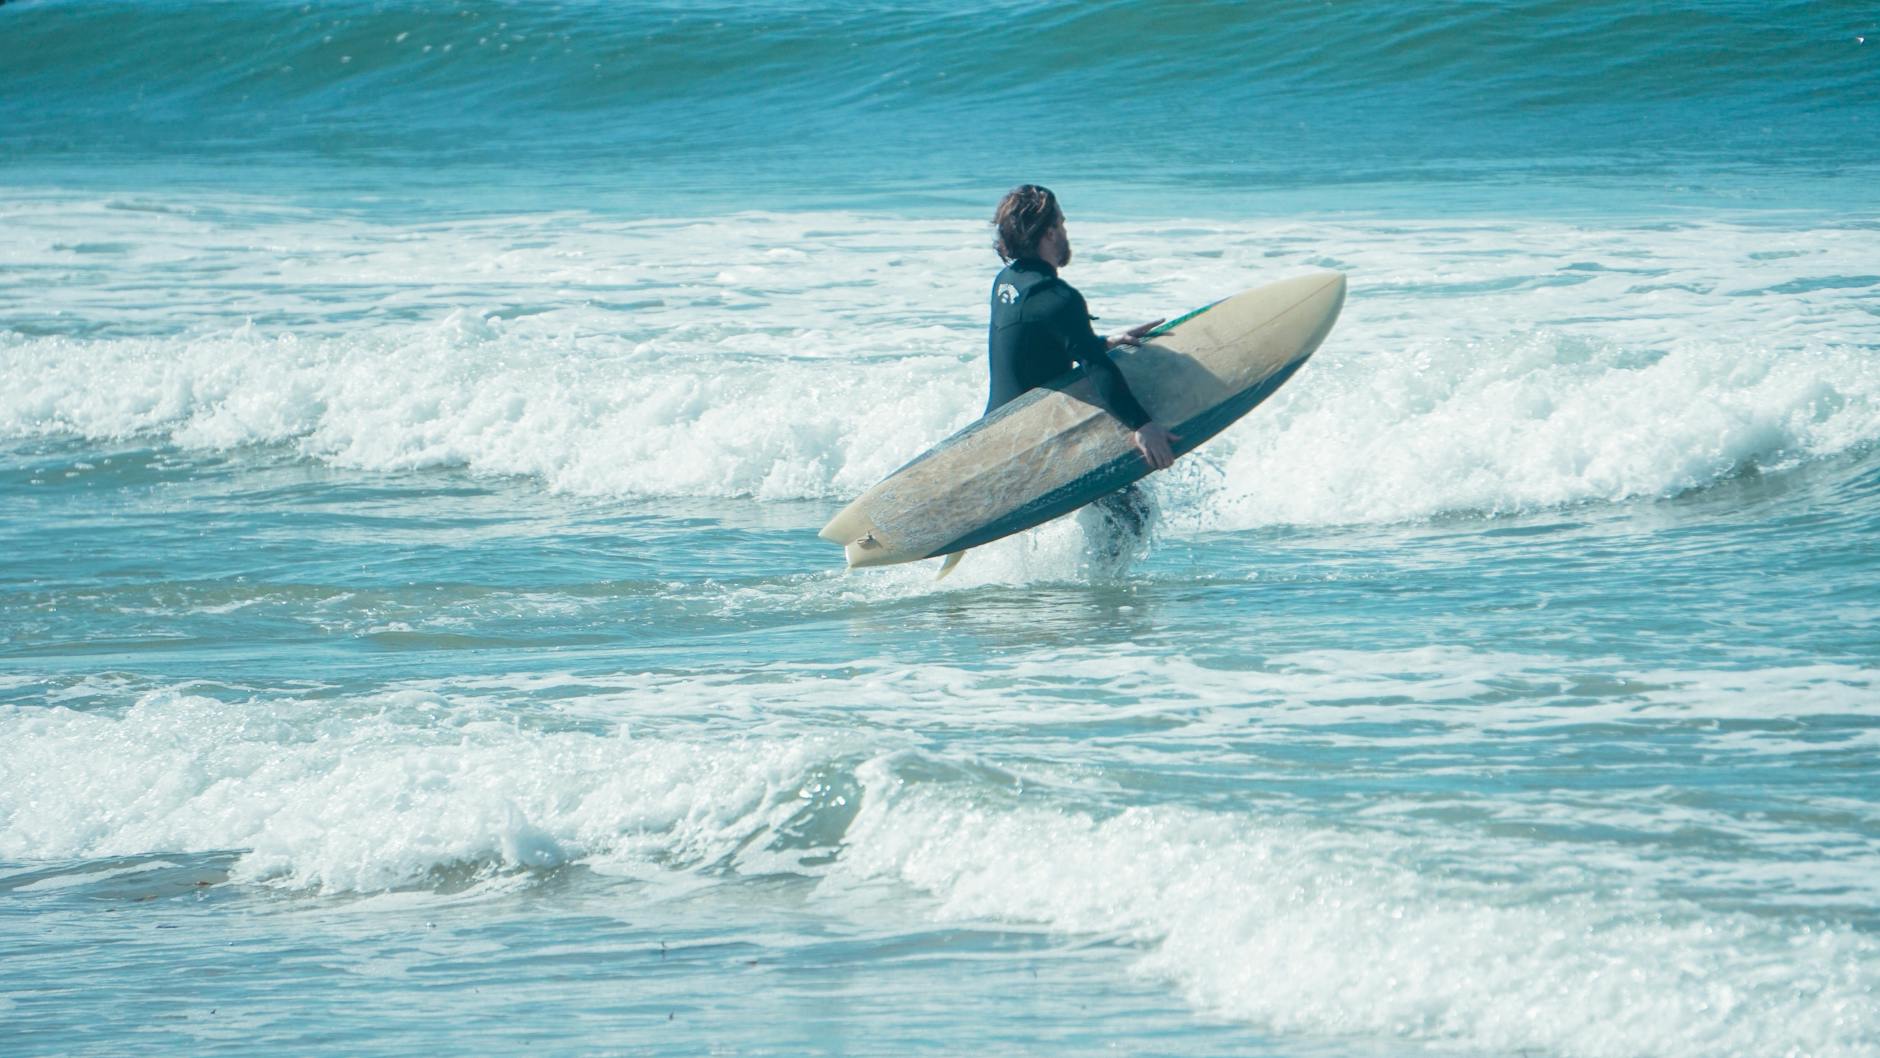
(946, 566)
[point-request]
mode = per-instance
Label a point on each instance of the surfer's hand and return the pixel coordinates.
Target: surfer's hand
(1134, 336)
(1156, 445)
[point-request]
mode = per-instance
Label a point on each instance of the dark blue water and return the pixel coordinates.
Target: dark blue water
(777, 104)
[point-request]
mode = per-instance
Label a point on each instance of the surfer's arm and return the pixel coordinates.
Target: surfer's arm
(1072, 319)
(1111, 387)
(1149, 437)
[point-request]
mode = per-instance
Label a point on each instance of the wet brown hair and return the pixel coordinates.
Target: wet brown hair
(1024, 215)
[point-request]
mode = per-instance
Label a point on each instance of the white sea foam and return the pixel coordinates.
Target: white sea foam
(1319, 931)
(1479, 365)
(1375, 923)
(380, 795)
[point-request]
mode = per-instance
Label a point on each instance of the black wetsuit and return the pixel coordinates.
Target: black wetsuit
(1040, 327)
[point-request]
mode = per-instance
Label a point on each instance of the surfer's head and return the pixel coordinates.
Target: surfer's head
(1029, 223)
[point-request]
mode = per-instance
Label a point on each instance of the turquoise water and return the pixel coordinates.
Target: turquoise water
(414, 636)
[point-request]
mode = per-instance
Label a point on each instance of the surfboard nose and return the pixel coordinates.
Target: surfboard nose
(1331, 301)
(1321, 294)
(1315, 302)
(1336, 285)
(1335, 292)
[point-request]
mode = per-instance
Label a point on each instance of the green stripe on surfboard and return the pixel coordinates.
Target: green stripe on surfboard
(1183, 318)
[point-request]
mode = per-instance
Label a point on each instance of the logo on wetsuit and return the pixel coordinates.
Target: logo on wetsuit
(1008, 293)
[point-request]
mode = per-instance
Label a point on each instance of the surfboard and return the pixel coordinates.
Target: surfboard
(1055, 448)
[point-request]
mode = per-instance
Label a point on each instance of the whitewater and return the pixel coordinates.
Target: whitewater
(415, 423)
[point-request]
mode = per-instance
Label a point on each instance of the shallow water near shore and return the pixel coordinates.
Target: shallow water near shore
(414, 635)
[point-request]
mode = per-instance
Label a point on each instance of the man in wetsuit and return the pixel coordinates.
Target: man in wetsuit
(1041, 326)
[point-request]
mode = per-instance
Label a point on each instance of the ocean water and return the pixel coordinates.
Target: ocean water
(416, 420)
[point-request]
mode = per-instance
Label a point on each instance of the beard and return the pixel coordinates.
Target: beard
(1064, 253)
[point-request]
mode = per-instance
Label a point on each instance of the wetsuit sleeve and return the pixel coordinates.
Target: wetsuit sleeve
(1071, 318)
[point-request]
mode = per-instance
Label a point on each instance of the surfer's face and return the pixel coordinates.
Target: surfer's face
(1055, 246)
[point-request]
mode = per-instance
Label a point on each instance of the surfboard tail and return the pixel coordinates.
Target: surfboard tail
(866, 551)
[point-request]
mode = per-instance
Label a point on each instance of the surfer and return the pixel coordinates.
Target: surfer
(1041, 326)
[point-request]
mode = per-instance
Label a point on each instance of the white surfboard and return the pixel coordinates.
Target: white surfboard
(1055, 449)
